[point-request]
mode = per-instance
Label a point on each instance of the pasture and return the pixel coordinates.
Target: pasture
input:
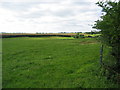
(52, 62)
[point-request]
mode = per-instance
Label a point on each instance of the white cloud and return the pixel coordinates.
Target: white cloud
(48, 16)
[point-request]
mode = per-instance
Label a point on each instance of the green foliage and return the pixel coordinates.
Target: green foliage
(78, 35)
(109, 24)
(52, 63)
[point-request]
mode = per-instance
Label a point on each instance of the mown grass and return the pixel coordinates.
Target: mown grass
(52, 63)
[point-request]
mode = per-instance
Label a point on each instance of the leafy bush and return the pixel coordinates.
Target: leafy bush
(109, 24)
(79, 36)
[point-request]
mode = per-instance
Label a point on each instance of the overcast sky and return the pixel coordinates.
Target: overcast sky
(48, 15)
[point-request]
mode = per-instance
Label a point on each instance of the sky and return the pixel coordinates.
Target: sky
(31, 16)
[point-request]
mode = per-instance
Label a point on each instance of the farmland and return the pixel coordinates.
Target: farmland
(52, 62)
(10, 35)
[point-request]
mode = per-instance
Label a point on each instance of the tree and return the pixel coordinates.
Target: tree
(109, 24)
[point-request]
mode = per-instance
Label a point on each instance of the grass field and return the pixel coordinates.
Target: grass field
(56, 62)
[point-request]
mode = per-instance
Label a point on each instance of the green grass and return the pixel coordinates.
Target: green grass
(52, 63)
(53, 37)
(0, 63)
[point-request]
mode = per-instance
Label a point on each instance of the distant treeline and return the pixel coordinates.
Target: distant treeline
(93, 32)
(34, 35)
(62, 34)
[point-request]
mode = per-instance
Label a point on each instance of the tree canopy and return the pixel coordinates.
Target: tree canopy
(109, 24)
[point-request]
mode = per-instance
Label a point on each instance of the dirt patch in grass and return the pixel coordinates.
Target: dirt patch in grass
(87, 42)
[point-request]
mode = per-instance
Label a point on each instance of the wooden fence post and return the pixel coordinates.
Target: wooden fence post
(101, 55)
